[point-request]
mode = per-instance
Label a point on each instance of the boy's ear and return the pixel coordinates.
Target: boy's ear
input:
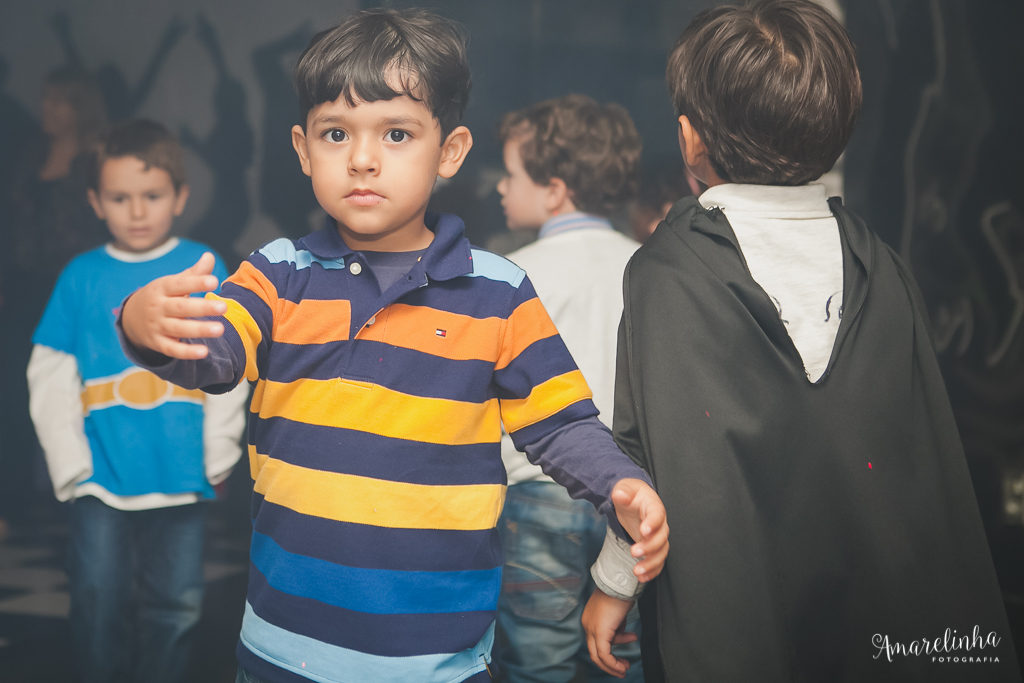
(690, 143)
(181, 200)
(299, 143)
(454, 150)
(558, 199)
(94, 202)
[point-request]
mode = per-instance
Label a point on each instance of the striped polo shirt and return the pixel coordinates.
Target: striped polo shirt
(374, 450)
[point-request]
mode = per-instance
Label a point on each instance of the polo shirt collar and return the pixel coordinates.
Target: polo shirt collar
(447, 257)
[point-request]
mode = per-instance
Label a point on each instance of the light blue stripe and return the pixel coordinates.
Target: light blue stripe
(332, 664)
(576, 220)
(281, 250)
(494, 267)
(375, 591)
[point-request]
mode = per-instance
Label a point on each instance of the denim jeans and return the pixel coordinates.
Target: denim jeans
(550, 542)
(136, 590)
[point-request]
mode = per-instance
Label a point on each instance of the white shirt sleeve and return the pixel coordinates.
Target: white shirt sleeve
(223, 422)
(613, 569)
(55, 404)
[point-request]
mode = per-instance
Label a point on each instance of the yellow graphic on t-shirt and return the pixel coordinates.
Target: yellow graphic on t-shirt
(134, 388)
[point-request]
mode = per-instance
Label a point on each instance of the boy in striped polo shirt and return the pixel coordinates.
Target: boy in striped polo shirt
(387, 353)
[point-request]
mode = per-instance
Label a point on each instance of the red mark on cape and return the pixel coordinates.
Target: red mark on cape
(869, 466)
(707, 414)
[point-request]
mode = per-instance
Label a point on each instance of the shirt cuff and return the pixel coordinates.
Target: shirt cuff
(613, 570)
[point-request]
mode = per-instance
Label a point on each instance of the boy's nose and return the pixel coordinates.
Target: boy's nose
(138, 208)
(502, 185)
(364, 158)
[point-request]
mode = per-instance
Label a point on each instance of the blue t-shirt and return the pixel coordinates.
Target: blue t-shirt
(145, 434)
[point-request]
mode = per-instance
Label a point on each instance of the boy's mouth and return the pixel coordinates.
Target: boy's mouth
(364, 198)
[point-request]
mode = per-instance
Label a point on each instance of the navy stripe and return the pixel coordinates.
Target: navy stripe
(537, 363)
(359, 545)
(405, 370)
(371, 455)
(476, 297)
(407, 635)
(251, 302)
(577, 411)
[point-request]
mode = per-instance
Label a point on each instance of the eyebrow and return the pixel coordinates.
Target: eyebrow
(330, 119)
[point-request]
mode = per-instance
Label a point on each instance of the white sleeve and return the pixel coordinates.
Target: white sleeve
(55, 404)
(223, 422)
(613, 570)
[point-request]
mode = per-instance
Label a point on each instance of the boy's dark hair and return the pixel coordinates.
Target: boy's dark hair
(381, 54)
(146, 140)
(772, 88)
(593, 148)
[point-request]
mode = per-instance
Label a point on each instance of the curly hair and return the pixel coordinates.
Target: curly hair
(772, 88)
(593, 148)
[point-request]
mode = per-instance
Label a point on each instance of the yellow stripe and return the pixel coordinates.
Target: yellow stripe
(247, 329)
(376, 502)
(545, 400)
(367, 407)
(135, 388)
(97, 394)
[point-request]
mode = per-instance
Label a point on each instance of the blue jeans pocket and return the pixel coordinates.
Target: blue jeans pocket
(547, 559)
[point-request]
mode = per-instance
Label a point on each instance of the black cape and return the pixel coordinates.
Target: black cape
(816, 529)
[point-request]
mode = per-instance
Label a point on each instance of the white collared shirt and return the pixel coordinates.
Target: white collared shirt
(790, 241)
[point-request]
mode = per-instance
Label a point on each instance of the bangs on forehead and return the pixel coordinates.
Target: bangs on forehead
(383, 54)
(369, 85)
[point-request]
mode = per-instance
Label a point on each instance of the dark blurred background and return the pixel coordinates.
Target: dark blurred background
(935, 167)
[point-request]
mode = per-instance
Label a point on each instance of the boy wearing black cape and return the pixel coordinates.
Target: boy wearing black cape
(777, 380)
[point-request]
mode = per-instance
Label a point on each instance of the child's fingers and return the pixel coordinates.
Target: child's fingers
(182, 350)
(204, 266)
(623, 637)
(191, 329)
(193, 307)
(601, 653)
(186, 283)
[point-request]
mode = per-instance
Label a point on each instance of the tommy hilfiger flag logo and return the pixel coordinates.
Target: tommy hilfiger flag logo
(441, 333)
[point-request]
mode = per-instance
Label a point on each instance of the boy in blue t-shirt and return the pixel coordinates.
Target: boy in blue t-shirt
(134, 455)
(387, 354)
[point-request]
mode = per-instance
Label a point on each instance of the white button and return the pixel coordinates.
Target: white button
(355, 268)
(371, 320)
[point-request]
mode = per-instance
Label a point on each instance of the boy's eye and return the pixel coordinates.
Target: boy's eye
(336, 135)
(397, 136)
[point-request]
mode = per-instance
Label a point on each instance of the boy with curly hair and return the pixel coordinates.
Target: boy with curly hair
(570, 163)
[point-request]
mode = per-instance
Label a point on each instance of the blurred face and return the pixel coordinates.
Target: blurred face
(139, 204)
(524, 201)
(373, 166)
(57, 114)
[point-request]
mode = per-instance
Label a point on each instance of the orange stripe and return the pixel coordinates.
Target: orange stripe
(416, 328)
(312, 321)
(528, 323)
(250, 277)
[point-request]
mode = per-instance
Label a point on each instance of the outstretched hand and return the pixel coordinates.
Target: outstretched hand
(642, 515)
(158, 316)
